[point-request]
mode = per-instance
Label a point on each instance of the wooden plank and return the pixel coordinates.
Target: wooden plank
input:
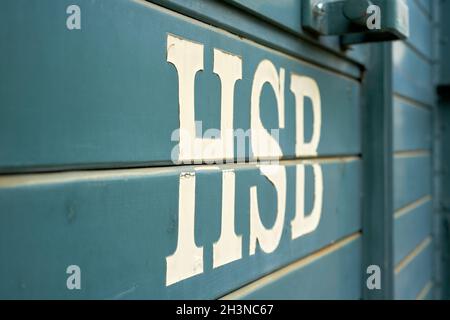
(412, 126)
(71, 101)
(427, 292)
(119, 226)
(411, 227)
(332, 273)
(412, 178)
(413, 101)
(412, 74)
(425, 5)
(412, 277)
(420, 30)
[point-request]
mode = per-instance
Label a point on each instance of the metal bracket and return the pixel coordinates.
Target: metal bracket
(357, 21)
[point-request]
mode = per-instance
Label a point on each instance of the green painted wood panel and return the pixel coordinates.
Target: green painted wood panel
(429, 294)
(412, 179)
(425, 5)
(105, 95)
(412, 126)
(335, 274)
(411, 279)
(414, 121)
(411, 228)
(120, 225)
(420, 30)
(412, 76)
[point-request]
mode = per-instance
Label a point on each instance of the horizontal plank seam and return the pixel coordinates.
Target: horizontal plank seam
(30, 169)
(424, 292)
(412, 153)
(413, 254)
(28, 179)
(411, 206)
(423, 9)
(412, 102)
(275, 275)
(418, 52)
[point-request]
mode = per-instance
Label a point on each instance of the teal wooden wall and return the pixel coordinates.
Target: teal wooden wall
(414, 104)
(85, 144)
(87, 178)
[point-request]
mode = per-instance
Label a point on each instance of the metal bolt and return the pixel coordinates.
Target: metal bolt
(319, 9)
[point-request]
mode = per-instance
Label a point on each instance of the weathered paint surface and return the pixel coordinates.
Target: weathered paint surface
(415, 273)
(414, 100)
(412, 126)
(113, 96)
(411, 226)
(112, 92)
(119, 226)
(412, 179)
(331, 273)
